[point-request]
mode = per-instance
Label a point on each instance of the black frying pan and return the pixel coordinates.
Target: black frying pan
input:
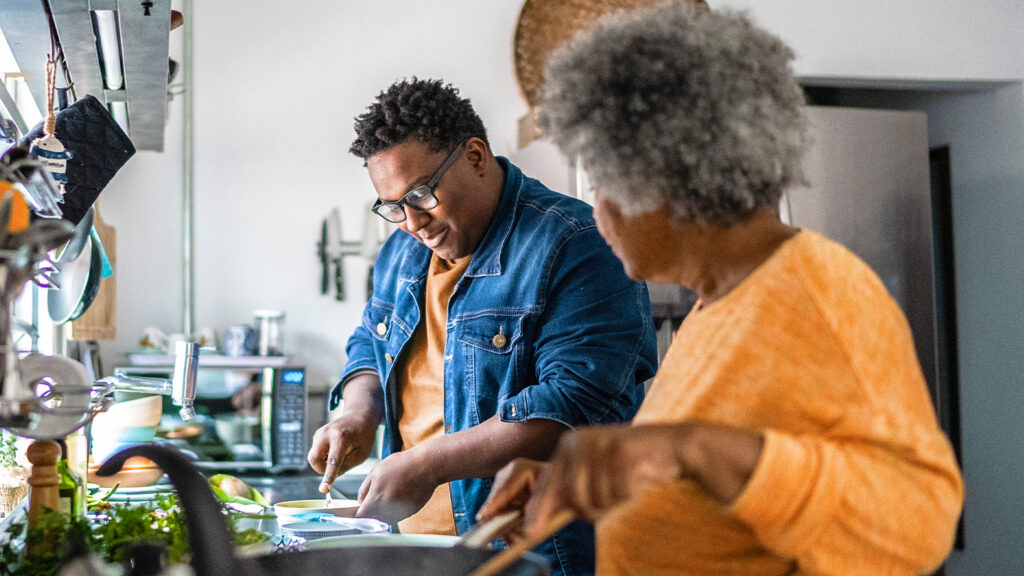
(390, 560)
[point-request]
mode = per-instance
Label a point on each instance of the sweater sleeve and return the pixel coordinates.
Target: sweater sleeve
(854, 507)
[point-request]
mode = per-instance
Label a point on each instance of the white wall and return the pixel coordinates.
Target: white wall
(920, 39)
(276, 91)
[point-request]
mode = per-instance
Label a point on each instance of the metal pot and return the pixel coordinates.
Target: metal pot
(213, 550)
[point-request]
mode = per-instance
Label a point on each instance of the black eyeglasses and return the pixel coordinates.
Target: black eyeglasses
(421, 197)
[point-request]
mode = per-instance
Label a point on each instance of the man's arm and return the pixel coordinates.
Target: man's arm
(347, 440)
(595, 343)
(404, 481)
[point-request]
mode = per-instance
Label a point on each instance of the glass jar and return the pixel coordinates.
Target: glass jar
(269, 332)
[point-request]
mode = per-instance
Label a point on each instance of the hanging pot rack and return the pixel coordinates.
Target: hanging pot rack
(116, 50)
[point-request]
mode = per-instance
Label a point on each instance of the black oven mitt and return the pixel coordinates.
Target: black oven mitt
(99, 148)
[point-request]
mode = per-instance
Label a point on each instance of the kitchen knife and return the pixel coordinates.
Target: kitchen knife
(335, 250)
(325, 259)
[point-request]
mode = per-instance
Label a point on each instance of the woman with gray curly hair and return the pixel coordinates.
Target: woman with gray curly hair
(789, 429)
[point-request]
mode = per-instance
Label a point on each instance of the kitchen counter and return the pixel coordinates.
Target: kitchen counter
(276, 487)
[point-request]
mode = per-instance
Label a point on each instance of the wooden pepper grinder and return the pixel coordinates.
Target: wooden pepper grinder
(44, 480)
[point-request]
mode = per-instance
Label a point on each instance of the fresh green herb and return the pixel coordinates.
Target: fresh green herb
(54, 529)
(249, 536)
(8, 450)
(159, 522)
(111, 535)
(96, 502)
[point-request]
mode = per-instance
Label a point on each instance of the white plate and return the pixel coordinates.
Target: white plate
(427, 540)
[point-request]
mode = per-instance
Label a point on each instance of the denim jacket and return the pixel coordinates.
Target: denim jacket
(543, 324)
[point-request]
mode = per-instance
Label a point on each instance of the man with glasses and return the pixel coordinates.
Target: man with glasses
(499, 319)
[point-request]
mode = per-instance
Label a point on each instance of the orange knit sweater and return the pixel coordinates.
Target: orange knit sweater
(855, 477)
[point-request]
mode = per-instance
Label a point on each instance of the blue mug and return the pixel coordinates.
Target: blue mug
(240, 341)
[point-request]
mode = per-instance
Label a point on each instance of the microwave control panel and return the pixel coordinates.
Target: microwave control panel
(289, 418)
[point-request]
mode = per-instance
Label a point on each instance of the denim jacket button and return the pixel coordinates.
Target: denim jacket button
(499, 339)
(389, 358)
(382, 329)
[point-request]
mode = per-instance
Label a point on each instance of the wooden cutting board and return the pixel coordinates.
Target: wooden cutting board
(99, 322)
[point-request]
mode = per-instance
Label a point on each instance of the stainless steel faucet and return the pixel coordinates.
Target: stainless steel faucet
(181, 387)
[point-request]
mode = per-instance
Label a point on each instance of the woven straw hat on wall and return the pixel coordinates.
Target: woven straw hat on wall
(543, 26)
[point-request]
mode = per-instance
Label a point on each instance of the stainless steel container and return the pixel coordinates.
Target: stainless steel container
(269, 328)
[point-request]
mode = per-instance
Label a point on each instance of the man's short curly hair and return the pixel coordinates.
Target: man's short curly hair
(672, 105)
(428, 111)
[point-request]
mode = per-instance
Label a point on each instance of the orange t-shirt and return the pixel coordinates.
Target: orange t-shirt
(421, 383)
(855, 477)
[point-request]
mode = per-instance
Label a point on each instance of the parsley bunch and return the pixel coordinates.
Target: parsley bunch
(8, 450)
(159, 522)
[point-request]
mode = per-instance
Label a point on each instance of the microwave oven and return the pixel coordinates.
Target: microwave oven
(250, 413)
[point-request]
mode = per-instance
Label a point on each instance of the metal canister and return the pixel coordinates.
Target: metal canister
(269, 329)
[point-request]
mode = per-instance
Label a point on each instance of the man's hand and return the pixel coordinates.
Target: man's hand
(397, 487)
(341, 444)
(348, 440)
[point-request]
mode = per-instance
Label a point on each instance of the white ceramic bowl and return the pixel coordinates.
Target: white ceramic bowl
(125, 424)
(286, 511)
(143, 411)
(137, 471)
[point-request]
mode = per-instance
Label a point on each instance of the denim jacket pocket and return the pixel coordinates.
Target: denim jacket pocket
(493, 333)
(378, 320)
(493, 349)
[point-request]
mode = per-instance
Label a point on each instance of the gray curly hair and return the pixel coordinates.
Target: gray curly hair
(672, 105)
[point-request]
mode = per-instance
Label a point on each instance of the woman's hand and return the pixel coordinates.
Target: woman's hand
(595, 469)
(513, 486)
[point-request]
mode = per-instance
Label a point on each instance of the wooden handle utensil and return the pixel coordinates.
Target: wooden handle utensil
(505, 559)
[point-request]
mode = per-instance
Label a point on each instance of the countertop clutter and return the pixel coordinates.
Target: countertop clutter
(278, 488)
(118, 520)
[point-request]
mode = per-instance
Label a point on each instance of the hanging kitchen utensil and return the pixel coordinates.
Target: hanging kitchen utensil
(99, 321)
(48, 148)
(334, 246)
(375, 232)
(99, 149)
(76, 275)
(92, 284)
(26, 172)
(325, 258)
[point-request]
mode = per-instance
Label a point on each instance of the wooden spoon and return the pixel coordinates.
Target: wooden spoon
(505, 559)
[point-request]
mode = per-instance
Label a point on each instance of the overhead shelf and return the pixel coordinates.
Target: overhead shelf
(135, 48)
